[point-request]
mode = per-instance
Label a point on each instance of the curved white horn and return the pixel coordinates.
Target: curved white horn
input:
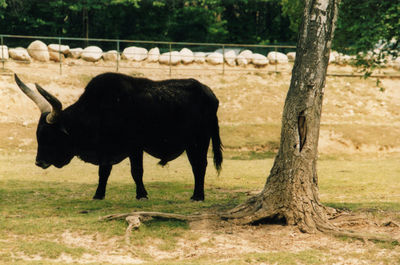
(43, 105)
(56, 106)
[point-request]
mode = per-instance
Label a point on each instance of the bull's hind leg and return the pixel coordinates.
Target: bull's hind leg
(137, 174)
(104, 173)
(197, 155)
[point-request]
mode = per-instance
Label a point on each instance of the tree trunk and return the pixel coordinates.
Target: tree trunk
(291, 191)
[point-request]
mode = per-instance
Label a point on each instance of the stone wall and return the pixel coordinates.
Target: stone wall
(39, 51)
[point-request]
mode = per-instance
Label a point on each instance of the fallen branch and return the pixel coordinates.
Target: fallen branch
(135, 219)
(160, 215)
(133, 222)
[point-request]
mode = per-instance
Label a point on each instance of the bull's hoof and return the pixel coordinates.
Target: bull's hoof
(197, 198)
(98, 197)
(142, 198)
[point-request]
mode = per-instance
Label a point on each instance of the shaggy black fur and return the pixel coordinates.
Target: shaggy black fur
(119, 116)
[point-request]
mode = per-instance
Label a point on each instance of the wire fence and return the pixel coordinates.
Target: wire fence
(140, 55)
(183, 58)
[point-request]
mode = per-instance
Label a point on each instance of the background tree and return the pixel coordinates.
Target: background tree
(293, 9)
(243, 21)
(364, 25)
(370, 30)
(290, 194)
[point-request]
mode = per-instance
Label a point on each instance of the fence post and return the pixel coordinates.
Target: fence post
(276, 59)
(170, 57)
(2, 51)
(59, 54)
(117, 55)
(223, 59)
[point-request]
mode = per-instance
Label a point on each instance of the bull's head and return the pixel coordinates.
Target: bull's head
(54, 141)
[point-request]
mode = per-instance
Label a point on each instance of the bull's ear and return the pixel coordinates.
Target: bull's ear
(43, 105)
(54, 102)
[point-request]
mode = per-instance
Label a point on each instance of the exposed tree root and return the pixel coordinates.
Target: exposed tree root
(242, 215)
(246, 214)
(356, 235)
(256, 210)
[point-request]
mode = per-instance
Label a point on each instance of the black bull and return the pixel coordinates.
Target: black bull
(119, 116)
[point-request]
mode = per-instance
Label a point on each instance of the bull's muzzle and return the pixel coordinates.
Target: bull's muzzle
(42, 164)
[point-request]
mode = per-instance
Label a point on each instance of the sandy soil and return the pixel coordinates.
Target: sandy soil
(221, 242)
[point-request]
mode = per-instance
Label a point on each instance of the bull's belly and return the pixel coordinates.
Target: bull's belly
(164, 154)
(97, 159)
(115, 154)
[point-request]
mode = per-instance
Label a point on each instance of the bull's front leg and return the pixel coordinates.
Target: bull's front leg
(104, 173)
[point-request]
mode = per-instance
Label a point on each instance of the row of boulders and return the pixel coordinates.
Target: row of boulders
(39, 51)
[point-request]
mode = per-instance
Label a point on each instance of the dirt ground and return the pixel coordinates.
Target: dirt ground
(344, 104)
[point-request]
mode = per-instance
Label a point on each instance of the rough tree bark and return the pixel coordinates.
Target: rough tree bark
(291, 191)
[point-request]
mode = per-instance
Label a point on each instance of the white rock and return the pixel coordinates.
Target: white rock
(20, 54)
(241, 60)
(4, 52)
(110, 56)
(333, 57)
(170, 57)
(244, 57)
(153, 55)
(75, 52)
(291, 56)
(187, 56)
(59, 48)
(56, 56)
(215, 58)
(230, 57)
(345, 59)
(277, 57)
(92, 53)
(396, 63)
(39, 51)
(259, 59)
(224, 50)
(199, 57)
(134, 54)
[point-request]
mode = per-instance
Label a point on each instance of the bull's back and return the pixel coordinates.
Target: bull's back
(139, 111)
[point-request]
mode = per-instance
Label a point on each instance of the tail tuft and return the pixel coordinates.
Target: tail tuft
(217, 146)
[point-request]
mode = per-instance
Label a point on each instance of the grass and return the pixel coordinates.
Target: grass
(50, 249)
(301, 257)
(38, 206)
(366, 183)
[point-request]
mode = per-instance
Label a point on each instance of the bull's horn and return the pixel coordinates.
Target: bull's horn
(43, 105)
(54, 102)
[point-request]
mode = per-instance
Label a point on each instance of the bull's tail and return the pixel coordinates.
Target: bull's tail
(216, 145)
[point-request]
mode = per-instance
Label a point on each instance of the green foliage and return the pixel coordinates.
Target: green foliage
(243, 21)
(362, 27)
(370, 30)
(293, 9)
(365, 24)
